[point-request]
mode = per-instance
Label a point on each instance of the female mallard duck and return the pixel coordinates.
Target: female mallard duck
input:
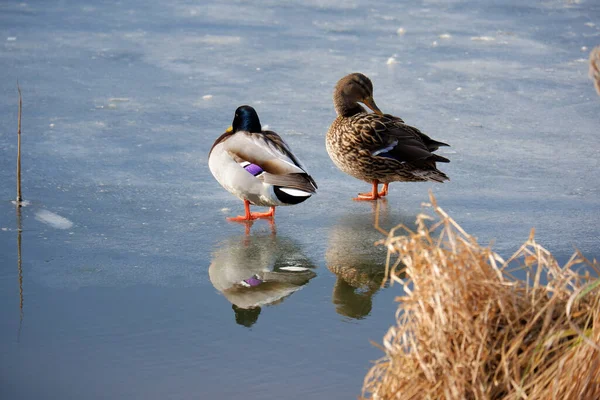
(258, 166)
(377, 148)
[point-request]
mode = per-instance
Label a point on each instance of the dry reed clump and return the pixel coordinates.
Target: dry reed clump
(595, 68)
(468, 329)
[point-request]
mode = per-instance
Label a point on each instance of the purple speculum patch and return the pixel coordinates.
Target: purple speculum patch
(253, 281)
(253, 169)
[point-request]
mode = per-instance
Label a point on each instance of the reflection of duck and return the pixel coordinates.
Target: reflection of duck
(259, 270)
(354, 288)
(358, 264)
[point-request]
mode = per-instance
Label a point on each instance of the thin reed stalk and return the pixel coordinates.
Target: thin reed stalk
(19, 193)
(595, 68)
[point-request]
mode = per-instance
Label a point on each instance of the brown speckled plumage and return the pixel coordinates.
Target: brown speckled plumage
(377, 147)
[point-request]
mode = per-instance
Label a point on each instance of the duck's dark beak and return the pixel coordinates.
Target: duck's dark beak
(369, 102)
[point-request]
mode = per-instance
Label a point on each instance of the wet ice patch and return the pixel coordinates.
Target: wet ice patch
(53, 219)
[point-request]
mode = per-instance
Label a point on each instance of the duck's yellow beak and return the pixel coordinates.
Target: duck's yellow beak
(230, 129)
(369, 102)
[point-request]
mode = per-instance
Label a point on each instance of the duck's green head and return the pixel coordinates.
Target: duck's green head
(245, 119)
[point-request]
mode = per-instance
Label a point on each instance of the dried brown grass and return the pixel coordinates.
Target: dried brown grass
(468, 329)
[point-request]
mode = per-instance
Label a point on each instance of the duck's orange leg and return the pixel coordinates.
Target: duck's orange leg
(249, 216)
(374, 195)
(243, 218)
(384, 190)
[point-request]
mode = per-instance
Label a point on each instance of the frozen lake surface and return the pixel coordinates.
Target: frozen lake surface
(127, 260)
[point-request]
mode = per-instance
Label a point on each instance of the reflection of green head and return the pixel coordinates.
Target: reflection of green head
(246, 316)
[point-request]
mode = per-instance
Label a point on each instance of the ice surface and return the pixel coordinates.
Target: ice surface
(116, 132)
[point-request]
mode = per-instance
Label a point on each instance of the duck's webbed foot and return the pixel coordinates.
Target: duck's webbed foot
(268, 214)
(374, 194)
(251, 216)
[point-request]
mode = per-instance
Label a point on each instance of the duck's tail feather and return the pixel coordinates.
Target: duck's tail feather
(302, 182)
(434, 175)
(432, 144)
(438, 158)
(289, 195)
(291, 188)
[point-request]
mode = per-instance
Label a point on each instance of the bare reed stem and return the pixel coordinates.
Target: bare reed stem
(19, 194)
(595, 68)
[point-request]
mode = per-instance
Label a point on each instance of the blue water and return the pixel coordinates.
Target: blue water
(127, 286)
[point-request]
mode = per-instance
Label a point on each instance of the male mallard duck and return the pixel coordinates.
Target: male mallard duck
(377, 148)
(258, 166)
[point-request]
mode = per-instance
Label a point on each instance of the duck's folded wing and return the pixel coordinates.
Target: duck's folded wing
(275, 141)
(402, 142)
(256, 149)
(272, 155)
(431, 144)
